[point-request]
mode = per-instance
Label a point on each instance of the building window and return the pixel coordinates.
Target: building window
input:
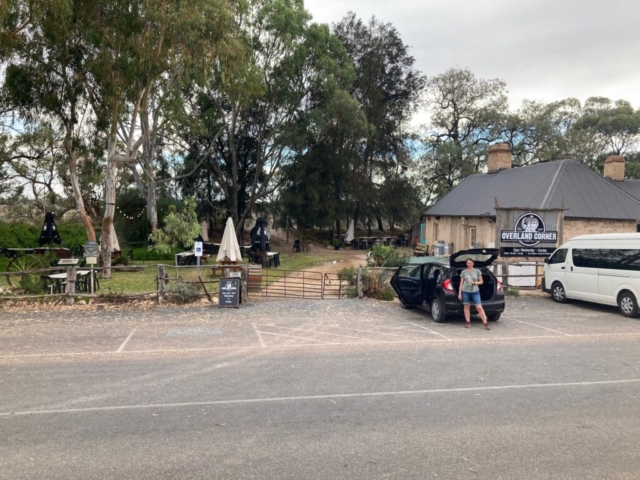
(436, 232)
(473, 235)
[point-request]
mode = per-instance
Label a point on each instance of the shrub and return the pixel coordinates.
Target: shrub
(383, 256)
(374, 287)
(184, 292)
(31, 285)
(347, 274)
(121, 260)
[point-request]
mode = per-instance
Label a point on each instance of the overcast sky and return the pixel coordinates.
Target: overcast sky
(545, 49)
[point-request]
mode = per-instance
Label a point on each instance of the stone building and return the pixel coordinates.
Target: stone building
(466, 216)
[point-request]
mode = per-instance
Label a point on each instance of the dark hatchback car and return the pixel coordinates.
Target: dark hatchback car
(433, 284)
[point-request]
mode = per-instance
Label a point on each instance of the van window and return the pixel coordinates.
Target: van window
(559, 257)
(625, 260)
(587, 258)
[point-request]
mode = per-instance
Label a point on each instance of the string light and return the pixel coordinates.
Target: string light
(130, 217)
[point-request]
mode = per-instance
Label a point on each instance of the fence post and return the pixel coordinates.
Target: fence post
(161, 285)
(245, 283)
(71, 284)
(505, 276)
(359, 283)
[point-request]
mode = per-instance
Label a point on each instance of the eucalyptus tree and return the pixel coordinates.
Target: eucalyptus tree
(251, 111)
(388, 89)
(46, 83)
(138, 45)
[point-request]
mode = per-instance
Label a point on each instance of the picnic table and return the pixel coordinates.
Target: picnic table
(58, 281)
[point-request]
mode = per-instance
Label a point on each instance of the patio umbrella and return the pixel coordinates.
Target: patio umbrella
(49, 232)
(115, 245)
(350, 232)
(260, 236)
(229, 248)
(204, 227)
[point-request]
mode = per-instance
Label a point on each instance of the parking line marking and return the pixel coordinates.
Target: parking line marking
(255, 328)
(429, 330)
(124, 344)
(323, 397)
(540, 326)
(317, 331)
(422, 341)
(300, 338)
(357, 328)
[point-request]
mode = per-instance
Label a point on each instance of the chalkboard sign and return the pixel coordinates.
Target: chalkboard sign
(229, 296)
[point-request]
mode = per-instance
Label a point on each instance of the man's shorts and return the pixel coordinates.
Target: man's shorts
(468, 297)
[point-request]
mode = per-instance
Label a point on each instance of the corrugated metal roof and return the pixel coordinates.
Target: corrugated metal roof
(545, 185)
(632, 187)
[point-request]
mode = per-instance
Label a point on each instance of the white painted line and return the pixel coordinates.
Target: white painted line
(358, 329)
(300, 338)
(262, 344)
(428, 330)
(324, 397)
(124, 344)
(422, 341)
(540, 326)
(317, 331)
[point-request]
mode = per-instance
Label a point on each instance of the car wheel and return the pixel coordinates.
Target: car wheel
(494, 317)
(405, 306)
(558, 293)
(628, 304)
(438, 311)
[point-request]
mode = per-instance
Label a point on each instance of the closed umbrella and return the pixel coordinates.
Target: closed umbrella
(229, 248)
(49, 232)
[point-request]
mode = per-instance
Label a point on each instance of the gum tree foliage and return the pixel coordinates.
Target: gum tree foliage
(179, 230)
(251, 110)
(138, 44)
(388, 89)
(46, 81)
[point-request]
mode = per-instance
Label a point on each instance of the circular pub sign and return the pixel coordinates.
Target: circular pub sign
(529, 230)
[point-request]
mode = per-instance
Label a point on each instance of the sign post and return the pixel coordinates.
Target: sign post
(197, 249)
(522, 232)
(91, 257)
(229, 295)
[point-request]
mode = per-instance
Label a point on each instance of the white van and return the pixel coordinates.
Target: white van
(597, 268)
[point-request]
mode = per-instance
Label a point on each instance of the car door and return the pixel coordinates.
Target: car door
(581, 279)
(407, 282)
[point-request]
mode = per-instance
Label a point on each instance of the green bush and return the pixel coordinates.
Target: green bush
(121, 260)
(21, 235)
(383, 256)
(145, 255)
(386, 295)
(347, 274)
(184, 292)
(31, 285)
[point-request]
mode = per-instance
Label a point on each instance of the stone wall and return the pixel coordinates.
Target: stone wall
(574, 228)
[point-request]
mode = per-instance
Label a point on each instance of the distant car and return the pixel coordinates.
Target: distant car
(432, 284)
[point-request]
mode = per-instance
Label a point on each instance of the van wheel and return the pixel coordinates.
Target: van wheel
(558, 293)
(628, 304)
(438, 311)
(494, 317)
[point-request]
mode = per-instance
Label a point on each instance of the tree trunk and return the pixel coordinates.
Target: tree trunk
(356, 215)
(109, 212)
(338, 228)
(152, 204)
(369, 225)
(75, 186)
(380, 226)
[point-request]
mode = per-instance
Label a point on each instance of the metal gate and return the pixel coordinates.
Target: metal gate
(301, 284)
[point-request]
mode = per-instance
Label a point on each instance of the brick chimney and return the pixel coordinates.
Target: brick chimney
(499, 157)
(614, 168)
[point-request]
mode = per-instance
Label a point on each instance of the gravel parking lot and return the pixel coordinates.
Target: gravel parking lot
(319, 389)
